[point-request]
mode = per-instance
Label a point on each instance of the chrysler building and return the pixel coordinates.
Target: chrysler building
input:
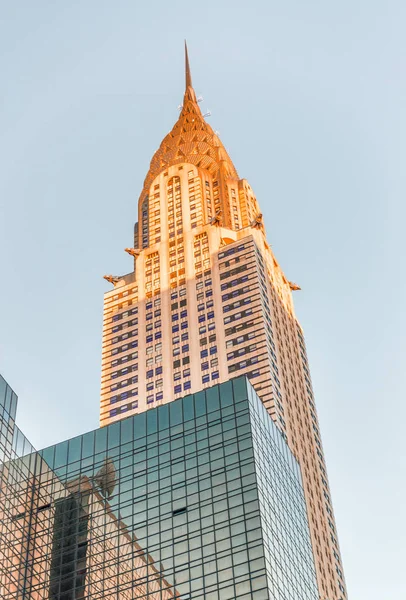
(205, 301)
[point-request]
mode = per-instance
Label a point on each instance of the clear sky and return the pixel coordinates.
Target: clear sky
(309, 99)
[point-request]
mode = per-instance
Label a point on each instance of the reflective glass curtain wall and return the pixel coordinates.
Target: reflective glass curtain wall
(198, 498)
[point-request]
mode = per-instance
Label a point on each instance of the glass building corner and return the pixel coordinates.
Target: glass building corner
(196, 499)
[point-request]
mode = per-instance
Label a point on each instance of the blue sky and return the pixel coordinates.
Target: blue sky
(309, 100)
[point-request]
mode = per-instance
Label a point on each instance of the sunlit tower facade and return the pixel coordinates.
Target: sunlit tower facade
(207, 301)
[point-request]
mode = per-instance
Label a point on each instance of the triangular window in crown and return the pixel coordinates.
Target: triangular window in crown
(179, 153)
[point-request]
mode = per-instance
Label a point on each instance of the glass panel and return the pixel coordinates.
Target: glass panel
(240, 389)
(101, 440)
(226, 394)
(74, 449)
(163, 417)
(61, 455)
(88, 444)
(212, 397)
(140, 425)
(152, 422)
(113, 434)
(48, 455)
(176, 412)
(126, 430)
(200, 404)
(188, 408)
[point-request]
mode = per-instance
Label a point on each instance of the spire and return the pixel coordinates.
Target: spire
(191, 141)
(187, 69)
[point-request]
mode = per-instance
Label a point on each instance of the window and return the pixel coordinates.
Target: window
(177, 389)
(204, 353)
(205, 378)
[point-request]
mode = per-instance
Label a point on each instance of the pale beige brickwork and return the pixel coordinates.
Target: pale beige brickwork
(207, 301)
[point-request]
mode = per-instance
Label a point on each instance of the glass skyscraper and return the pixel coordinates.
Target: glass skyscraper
(197, 499)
